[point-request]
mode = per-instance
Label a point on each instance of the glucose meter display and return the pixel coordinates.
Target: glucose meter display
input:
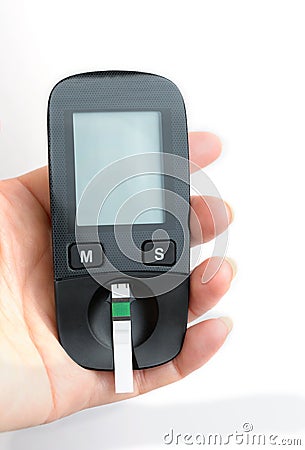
(101, 138)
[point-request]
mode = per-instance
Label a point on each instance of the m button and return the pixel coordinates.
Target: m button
(159, 253)
(85, 255)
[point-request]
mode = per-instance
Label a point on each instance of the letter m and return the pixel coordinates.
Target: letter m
(86, 256)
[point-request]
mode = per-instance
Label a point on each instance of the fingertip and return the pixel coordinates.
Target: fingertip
(217, 274)
(204, 147)
(233, 265)
(230, 212)
(228, 322)
(202, 341)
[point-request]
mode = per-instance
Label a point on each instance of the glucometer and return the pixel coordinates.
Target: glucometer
(119, 188)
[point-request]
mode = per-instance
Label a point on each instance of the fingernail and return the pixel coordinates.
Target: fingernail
(230, 212)
(233, 265)
(228, 323)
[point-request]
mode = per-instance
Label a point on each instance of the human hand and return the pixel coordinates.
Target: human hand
(39, 382)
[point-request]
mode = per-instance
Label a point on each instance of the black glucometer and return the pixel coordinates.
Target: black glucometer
(119, 186)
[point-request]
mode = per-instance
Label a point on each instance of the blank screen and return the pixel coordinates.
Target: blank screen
(101, 138)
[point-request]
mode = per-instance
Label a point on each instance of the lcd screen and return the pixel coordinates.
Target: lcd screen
(100, 139)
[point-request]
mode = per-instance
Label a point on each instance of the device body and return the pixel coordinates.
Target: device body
(120, 115)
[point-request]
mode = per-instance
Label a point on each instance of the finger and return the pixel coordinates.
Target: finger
(209, 217)
(204, 148)
(201, 342)
(205, 295)
(37, 182)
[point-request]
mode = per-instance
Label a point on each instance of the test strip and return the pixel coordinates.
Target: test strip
(121, 336)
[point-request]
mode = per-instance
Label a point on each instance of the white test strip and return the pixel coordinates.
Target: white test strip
(122, 353)
(122, 344)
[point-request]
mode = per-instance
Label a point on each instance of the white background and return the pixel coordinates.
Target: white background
(240, 67)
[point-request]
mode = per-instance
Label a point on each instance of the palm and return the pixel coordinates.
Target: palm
(28, 319)
(40, 378)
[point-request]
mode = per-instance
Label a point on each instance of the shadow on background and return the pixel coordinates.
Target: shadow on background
(129, 424)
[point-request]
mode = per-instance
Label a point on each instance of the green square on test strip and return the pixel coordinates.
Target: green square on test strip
(120, 309)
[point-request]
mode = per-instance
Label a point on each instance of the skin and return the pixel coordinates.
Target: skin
(39, 382)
